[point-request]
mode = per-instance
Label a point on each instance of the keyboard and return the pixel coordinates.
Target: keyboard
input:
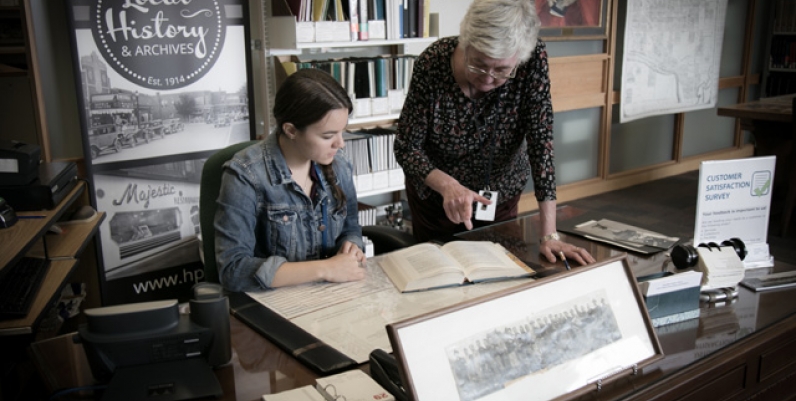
(18, 286)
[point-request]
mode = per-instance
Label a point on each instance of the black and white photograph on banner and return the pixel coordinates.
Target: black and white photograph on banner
(163, 86)
(149, 208)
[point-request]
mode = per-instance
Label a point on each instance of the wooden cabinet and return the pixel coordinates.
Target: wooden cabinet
(29, 237)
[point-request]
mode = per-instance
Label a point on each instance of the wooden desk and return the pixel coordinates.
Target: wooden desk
(730, 352)
(28, 236)
(735, 351)
(773, 109)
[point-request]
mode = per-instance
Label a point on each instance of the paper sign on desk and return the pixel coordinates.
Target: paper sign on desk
(734, 201)
(671, 283)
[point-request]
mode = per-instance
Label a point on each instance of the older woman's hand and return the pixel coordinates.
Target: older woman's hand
(458, 203)
(551, 248)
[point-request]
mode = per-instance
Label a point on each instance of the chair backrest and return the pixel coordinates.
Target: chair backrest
(387, 239)
(208, 194)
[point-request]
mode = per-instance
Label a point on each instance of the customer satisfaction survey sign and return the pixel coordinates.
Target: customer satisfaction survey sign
(734, 200)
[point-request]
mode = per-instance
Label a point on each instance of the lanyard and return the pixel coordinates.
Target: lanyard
(480, 125)
(324, 227)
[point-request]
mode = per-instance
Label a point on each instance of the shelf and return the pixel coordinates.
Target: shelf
(12, 49)
(11, 71)
(17, 239)
(71, 242)
(362, 194)
(288, 43)
(373, 119)
(359, 43)
(25, 237)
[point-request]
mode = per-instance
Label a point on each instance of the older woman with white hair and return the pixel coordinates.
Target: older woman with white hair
(478, 120)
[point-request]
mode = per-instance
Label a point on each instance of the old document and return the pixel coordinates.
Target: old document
(351, 317)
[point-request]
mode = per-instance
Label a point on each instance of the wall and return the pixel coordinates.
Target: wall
(594, 153)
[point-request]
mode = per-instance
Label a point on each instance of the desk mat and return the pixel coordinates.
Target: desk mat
(303, 346)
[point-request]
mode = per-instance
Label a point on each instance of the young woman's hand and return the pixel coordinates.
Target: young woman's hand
(352, 248)
(344, 267)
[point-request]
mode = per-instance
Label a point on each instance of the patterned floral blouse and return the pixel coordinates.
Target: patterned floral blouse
(440, 127)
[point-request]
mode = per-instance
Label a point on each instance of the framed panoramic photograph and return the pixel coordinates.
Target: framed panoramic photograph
(551, 339)
(572, 19)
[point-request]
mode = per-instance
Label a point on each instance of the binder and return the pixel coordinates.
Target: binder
(301, 345)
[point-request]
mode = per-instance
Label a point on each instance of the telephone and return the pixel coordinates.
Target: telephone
(8, 217)
(384, 370)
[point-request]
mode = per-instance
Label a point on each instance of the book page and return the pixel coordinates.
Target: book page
(483, 260)
(422, 266)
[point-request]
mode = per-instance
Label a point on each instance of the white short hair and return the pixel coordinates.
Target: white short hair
(501, 28)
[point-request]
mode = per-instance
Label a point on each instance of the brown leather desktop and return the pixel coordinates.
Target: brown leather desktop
(731, 352)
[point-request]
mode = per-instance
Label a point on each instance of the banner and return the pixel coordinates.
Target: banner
(163, 85)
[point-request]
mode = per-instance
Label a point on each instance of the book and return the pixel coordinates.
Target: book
(353, 19)
(771, 281)
(428, 265)
(363, 20)
(353, 385)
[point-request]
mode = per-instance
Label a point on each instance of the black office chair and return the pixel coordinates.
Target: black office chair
(208, 194)
(387, 239)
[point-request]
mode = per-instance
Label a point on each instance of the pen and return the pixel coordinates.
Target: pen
(30, 216)
(564, 258)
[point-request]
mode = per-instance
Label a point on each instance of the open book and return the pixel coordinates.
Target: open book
(427, 265)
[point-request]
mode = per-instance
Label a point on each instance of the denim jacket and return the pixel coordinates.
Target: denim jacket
(264, 219)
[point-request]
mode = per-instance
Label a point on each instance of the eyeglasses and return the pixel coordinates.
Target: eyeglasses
(493, 74)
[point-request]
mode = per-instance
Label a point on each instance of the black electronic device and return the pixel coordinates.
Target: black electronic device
(18, 162)
(19, 285)
(8, 217)
(384, 370)
(149, 349)
(54, 181)
(686, 256)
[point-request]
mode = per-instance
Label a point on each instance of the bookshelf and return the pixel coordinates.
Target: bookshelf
(291, 41)
(779, 76)
(26, 237)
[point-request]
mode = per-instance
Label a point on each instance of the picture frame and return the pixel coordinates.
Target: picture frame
(573, 333)
(572, 19)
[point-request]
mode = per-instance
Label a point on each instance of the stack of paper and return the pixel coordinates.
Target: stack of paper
(354, 385)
